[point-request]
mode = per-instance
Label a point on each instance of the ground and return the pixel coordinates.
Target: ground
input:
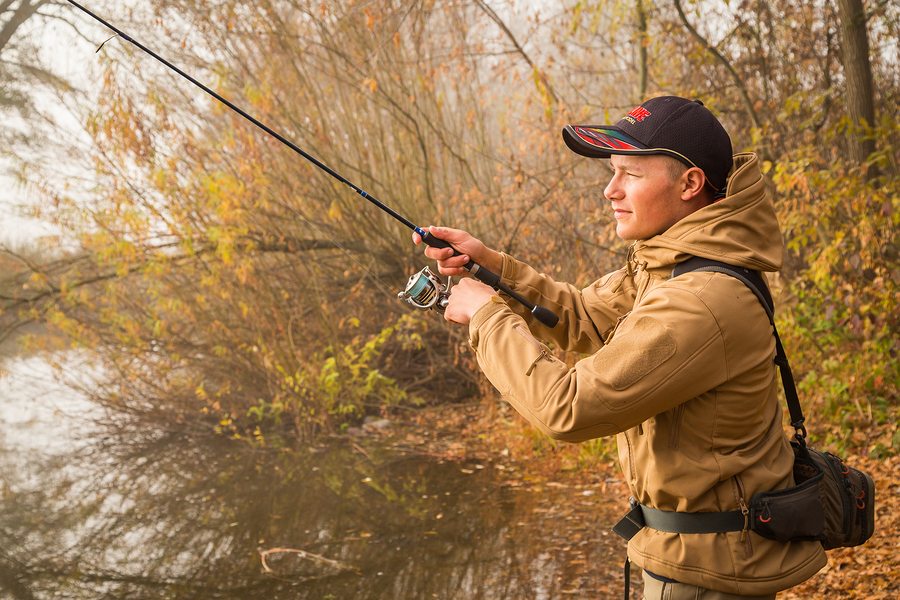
(485, 430)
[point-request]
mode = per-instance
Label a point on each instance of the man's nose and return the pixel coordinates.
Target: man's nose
(612, 190)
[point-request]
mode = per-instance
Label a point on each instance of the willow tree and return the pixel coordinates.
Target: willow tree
(222, 276)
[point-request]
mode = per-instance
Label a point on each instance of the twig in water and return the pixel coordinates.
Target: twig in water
(321, 560)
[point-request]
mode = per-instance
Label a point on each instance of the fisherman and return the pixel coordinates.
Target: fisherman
(680, 369)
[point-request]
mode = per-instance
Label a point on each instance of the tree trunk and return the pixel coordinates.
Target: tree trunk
(643, 40)
(858, 73)
(13, 18)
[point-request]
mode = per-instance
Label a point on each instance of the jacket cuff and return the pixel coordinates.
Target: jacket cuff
(509, 270)
(490, 308)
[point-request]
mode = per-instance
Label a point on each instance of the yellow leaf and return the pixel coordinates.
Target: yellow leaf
(334, 211)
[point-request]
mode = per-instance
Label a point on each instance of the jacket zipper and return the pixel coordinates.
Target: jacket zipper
(676, 427)
(631, 475)
(542, 351)
(612, 330)
(745, 510)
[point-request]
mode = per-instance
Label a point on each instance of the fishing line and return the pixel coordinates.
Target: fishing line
(424, 289)
(100, 47)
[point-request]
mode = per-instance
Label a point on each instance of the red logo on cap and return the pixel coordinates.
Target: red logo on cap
(639, 114)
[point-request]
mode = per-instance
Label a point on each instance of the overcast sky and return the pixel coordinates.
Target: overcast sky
(70, 57)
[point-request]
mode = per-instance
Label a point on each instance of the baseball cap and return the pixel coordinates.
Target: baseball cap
(678, 127)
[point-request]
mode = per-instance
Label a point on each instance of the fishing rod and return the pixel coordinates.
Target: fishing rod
(424, 289)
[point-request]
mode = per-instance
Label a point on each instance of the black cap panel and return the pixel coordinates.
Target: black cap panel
(684, 129)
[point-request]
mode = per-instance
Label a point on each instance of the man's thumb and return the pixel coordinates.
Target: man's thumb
(446, 233)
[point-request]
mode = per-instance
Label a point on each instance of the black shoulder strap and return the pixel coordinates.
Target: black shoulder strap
(756, 283)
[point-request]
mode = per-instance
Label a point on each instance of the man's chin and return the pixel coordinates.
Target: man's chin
(624, 234)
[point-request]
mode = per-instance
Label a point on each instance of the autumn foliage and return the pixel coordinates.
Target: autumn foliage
(221, 280)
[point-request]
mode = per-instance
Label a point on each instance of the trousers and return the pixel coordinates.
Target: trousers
(655, 589)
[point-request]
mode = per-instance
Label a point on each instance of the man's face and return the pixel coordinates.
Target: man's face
(645, 198)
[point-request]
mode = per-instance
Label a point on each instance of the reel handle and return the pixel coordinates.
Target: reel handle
(543, 315)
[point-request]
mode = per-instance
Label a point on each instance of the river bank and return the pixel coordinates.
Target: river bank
(871, 571)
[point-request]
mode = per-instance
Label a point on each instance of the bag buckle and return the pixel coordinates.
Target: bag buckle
(632, 522)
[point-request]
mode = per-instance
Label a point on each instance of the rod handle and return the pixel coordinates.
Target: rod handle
(543, 315)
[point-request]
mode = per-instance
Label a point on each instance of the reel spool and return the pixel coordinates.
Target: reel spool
(425, 290)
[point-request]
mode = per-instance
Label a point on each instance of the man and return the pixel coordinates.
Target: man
(681, 369)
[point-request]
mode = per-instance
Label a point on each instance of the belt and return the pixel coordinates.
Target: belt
(641, 516)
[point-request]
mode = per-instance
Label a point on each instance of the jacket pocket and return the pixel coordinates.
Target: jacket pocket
(608, 336)
(626, 460)
(675, 431)
(745, 510)
(636, 351)
(541, 351)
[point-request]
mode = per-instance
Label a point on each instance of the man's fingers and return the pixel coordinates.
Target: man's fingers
(439, 253)
(449, 234)
(454, 266)
(450, 270)
(449, 264)
(455, 262)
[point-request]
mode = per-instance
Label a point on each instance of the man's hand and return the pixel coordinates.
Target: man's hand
(471, 248)
(466, 298)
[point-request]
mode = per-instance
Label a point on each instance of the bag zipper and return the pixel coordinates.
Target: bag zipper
(846, 498)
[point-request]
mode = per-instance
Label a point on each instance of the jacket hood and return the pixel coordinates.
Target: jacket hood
(740, 229)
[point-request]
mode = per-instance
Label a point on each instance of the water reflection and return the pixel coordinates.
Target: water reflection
(160, 515)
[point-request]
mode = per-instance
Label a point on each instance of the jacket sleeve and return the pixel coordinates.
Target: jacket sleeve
(586, 316)
(667, 351)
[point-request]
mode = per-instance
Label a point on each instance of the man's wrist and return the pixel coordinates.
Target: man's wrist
(494, 304)
(494, 264)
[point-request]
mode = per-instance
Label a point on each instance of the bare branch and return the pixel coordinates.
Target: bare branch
(742, 89)
(521, 51)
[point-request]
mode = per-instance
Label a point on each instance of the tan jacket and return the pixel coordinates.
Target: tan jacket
(682, 370)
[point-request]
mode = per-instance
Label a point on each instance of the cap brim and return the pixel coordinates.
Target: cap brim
(595, 141)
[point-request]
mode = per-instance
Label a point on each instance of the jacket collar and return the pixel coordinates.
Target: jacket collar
(740, 229)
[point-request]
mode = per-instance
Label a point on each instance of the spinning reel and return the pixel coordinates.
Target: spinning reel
(425, 290)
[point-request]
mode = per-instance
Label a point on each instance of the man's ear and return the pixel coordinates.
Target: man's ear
(692, 182)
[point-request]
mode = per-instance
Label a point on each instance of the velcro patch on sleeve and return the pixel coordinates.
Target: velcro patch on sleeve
(634, 352)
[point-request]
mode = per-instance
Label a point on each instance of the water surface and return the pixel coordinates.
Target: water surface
(89, 512)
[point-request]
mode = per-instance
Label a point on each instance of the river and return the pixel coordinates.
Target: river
(90, 511)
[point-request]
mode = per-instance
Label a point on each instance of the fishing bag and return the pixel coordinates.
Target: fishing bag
(830, 501)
